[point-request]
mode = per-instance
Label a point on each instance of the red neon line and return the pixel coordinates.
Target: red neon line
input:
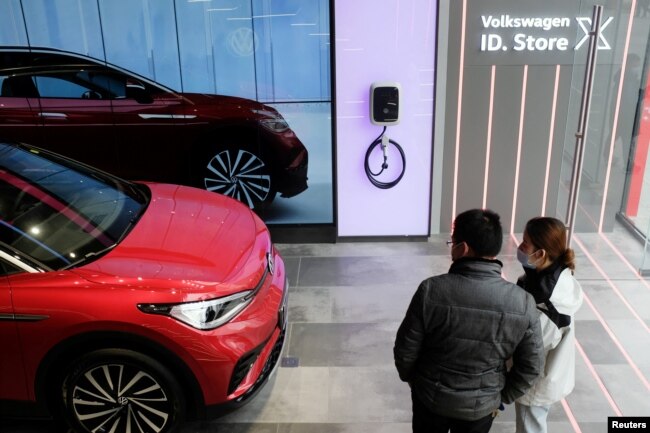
(459, 110)
(629, 265)
(616, 113)
(572, 418)
(550, 139)
(489, 137)
(617, 343)
(519, 140)
(612, 285)
(594, 373)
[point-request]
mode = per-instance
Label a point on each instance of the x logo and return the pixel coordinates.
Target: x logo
(585, 25)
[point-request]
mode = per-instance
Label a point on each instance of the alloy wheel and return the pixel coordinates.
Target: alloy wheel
(239, 174)
(116, 398)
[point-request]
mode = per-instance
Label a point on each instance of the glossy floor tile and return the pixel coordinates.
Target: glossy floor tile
(347, 300)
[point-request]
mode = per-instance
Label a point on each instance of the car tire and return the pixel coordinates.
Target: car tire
(240, 173)
(117, 390)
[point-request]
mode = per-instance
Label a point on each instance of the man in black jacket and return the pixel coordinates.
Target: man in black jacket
(460, 329)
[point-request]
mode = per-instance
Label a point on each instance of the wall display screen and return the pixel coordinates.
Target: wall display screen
(393, 49)
(230, 96)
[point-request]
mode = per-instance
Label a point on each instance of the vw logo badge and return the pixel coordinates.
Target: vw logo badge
(269, 262)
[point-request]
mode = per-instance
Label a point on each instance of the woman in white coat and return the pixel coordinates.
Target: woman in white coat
(548, 265)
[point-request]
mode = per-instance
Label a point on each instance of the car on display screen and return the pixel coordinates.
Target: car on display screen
(123, 123)
(130, 306)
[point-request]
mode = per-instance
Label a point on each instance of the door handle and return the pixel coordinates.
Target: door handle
(147, 116)
(53, 115)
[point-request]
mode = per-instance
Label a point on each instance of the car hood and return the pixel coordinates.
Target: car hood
(188, 240)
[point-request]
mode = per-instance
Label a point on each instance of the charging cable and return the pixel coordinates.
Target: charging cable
(383, 140)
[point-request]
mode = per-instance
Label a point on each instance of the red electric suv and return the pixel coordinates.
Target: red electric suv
(135, 128)
(130, 306)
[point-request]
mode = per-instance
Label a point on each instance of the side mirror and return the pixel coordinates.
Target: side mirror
(137, 91)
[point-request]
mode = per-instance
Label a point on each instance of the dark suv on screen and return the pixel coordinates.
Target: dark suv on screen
(118, 121)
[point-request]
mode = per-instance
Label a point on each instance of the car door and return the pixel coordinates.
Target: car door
(12, 374)
(18, 108)
(77, 117)
(150, 125)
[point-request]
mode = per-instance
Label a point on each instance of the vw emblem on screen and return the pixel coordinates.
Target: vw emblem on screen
(242, 42)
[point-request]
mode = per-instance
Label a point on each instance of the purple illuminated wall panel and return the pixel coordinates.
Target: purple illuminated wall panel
(384, 40)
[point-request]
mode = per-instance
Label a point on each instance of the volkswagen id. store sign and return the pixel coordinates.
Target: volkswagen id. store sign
(515, 32)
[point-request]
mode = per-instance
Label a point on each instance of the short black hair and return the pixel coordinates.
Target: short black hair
(481, 230)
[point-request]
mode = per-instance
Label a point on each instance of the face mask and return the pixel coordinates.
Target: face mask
(523, 259)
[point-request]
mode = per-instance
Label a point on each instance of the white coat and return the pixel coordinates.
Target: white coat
(558, 378)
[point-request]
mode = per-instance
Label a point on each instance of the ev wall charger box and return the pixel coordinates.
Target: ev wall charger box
(384, 103)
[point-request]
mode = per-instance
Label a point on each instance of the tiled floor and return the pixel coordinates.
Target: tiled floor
(347, 300)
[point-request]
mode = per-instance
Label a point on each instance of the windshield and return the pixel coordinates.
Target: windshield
(58, 213)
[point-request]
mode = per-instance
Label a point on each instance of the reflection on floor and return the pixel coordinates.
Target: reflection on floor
(347, 300)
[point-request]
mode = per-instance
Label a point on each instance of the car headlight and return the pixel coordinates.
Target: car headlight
(272, 120)
(203, 314)
(277, 124)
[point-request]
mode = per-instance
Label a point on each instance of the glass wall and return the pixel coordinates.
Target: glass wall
(635, 204)
(275, 52)
(613, 196)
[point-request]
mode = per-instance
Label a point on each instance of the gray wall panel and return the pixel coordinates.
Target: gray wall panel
(474, 122)
(505, 127)
(534, 155)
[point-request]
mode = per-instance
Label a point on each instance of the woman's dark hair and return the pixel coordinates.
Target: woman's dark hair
(481, 230)
(550, 235)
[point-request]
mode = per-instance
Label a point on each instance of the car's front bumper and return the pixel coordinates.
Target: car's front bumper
(269, 355)
(293, 179)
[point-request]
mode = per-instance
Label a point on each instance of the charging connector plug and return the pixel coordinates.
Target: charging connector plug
(384, 148)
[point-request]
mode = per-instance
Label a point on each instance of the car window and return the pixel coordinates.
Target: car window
(7, 268)
(81, 84)
(19, 86)
(58, 215)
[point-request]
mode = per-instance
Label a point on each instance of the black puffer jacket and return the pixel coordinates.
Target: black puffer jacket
(458, 332)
